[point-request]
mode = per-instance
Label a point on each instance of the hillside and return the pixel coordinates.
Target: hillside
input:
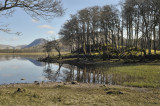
(36, 42)
(19, 46)
(6, 46)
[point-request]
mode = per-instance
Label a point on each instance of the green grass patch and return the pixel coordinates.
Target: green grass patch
(135, 75)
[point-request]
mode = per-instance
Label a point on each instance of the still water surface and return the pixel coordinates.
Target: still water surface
(15, 68)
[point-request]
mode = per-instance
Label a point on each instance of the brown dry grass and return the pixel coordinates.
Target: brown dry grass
(60, 94)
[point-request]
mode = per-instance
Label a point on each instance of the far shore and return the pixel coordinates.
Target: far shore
(32, 53)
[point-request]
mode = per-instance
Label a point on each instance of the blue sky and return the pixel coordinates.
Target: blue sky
(32, 29)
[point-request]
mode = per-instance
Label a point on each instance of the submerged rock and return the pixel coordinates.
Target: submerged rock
(36, 82)
(23, 79)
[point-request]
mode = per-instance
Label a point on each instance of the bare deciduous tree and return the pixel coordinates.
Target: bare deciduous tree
(38, 9)
(57, 45)
(105, 29)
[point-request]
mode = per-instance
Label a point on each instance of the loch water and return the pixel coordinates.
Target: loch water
(26, 69)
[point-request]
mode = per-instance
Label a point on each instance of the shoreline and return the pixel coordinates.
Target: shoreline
(73, 84)
(79, 94)
(94, 63)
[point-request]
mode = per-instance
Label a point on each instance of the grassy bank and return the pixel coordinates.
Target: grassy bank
(136, 75)
(59, 94)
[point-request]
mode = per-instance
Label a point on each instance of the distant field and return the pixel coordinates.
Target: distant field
(33, 53)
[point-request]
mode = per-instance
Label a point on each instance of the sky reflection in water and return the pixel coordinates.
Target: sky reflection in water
(14, 68)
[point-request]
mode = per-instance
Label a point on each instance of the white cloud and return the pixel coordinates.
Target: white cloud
(14, 38)
(34, 20)
(2, 38)
(45, 26)
(50, 32)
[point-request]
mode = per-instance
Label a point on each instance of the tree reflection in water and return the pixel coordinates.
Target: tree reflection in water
(51, 73)
(68, 73)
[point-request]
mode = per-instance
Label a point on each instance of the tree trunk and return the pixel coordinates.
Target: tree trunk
(154, 34)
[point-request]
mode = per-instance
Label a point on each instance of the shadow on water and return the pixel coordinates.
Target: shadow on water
(50, 73)
(35, 62)
(109, 74)
(68, 73)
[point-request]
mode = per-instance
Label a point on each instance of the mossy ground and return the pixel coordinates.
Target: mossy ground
(58, 94)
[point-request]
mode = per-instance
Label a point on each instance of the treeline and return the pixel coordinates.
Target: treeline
(136, 26)
(19, 50)
(25, 50)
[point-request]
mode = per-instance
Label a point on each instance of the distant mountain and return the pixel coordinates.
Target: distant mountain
(36, 42)
(6, 46)
(20, 46)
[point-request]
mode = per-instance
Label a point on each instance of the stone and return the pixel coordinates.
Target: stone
(19, 90)
(74, 82)
(114, 92)
(23, 79)
(36, 82)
